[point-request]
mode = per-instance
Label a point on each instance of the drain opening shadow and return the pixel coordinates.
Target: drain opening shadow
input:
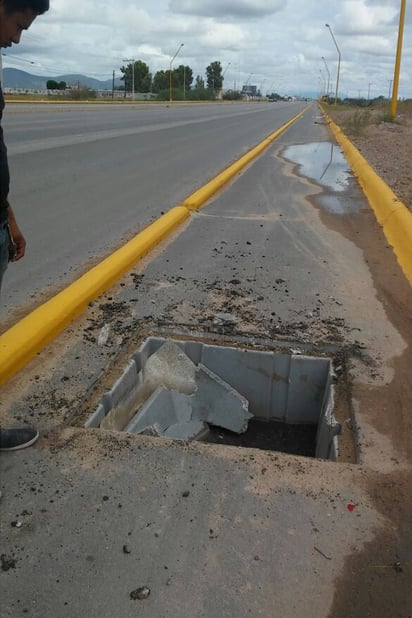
(269, 436)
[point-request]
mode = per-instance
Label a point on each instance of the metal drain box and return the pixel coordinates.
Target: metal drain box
(291, 388)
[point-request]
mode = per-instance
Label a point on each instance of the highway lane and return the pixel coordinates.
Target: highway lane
(87, 177)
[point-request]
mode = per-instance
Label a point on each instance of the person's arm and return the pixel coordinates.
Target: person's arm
(16, 235)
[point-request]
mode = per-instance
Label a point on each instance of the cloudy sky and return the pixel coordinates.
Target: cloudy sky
(278, 45)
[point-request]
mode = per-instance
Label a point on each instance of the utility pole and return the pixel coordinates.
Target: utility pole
(327, 70)
(170, 73)
(398, 60)
(113, 85)
(339, 59)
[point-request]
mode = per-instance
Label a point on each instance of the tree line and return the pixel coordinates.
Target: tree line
(180, 82)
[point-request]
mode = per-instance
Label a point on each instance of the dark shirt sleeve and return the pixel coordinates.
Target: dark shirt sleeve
(4, 168)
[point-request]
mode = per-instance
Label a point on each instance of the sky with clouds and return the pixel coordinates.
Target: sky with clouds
(279, 45)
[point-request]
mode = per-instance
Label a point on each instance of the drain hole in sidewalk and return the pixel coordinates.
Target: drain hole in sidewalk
(270, 436)
(190, 390)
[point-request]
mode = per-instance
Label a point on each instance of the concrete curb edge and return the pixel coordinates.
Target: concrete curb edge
(391, 213)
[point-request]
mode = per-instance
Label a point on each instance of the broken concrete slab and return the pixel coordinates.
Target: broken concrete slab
(162, 409)
(171, 367)
(218, 403)
(184, 417)
(191, 430)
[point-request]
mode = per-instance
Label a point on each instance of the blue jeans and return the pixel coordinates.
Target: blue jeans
(4, 250)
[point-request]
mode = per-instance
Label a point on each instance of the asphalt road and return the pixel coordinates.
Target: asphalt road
(86, 177)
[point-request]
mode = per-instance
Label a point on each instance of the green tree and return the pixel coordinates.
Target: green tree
(200, 82)
(51, 84)
(160, 81)
(142, 76)
(214, 76)
(62, 85)
(183, 77)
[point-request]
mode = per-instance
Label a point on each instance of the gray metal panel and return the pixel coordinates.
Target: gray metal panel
(124, 384)
(249, 372)
(277, 408)
(308, 378)
(96, 418)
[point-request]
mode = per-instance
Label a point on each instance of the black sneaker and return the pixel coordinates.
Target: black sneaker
(18, 438)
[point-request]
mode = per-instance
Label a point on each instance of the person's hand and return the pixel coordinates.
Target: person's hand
(18, 239)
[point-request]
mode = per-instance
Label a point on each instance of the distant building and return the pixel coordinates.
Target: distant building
(249, 91)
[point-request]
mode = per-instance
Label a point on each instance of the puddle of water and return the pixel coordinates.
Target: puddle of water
(338, 206)
(323, 162)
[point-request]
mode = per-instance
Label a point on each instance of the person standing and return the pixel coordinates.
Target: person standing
(15, 16)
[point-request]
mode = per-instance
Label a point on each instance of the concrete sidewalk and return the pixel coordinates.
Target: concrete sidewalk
(91, 519)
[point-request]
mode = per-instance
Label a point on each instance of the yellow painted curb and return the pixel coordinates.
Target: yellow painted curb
(197, 199)
(391, 213)
(21, 342)
(25, 339)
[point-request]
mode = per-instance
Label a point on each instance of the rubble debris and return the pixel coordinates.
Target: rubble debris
(171, 368)
(171, 412)
(140, 594)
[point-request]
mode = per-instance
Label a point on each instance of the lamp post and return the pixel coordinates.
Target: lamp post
(323, 80)
(398, 61)
(132, 60)
(170, 71)
(224, 73)
(339, 57)
(327, 70)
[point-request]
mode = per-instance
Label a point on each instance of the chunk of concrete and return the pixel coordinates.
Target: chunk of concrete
(192, 430)
(217, 403)
(161, 410)
(178, 415)
(171, 367)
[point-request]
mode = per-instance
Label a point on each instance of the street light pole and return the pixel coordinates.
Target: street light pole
(327, 70)
(398, 61)
(323, 80)
(170, 72)
(339, 56)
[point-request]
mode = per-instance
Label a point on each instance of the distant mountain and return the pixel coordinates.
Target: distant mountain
(14, 78)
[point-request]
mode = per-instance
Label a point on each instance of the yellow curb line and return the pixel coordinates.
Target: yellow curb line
(20, 343)
(391, 213)
(24, 340)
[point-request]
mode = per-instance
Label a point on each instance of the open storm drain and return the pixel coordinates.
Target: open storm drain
(189, 390)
